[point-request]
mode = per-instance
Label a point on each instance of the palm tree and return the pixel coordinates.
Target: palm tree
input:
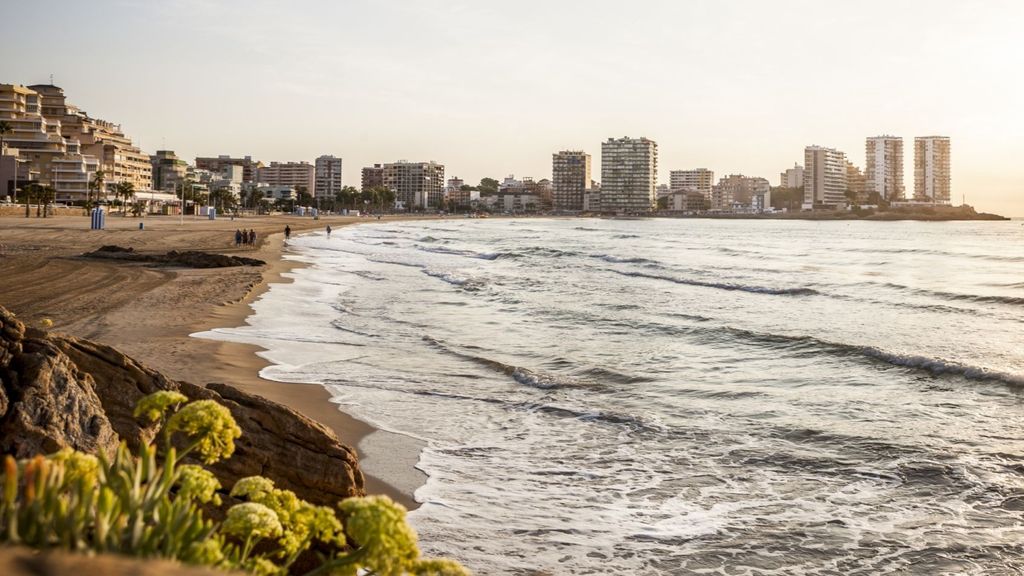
(47, 195)
(5, 128)
(95, 186)
(125, 191)
(27, 193)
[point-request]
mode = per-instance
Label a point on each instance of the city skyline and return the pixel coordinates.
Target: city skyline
(486, 90)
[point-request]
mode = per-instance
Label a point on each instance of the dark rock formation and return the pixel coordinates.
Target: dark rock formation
(58, 391)
(187, 259)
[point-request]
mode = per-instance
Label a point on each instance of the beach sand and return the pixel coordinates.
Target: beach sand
(149, 312)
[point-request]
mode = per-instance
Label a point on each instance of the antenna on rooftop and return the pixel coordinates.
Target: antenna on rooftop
(51, 79)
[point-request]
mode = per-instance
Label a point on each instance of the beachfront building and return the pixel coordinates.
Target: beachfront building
(792, 177)
(629, 175)
(216, 164)
(328, 177)
(824, 178)
(372, 177)
(526, 195)
(699, 179)
(689, 201)
(858, 186)
(931, 169)
(884, 167)
(298, 175)
(570, 170)
(120, 160)
(417, 185)
(168, 170)
(739, 193)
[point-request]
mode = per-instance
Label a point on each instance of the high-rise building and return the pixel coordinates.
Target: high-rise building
(792, 177)
(570, 178)
(824, 177)
(884, 166)
(120, 160)
(328, 177)
(37, 151)
(168, 170)
(629, 175)
(417, 185)
(372, 177)
(294, 174)
(250, 168)
(699, 179)
(931, 169)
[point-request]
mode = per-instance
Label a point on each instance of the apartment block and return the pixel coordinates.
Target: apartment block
(168, 170)
(372, 177)
(824, 177)
(884, 167)
(792, 177)
(328, 177)
(570, 179)
(120, 160)
(699, 179)
(686, 201)
(629, 175)
(216, 164)
(739, 193)
(931, 169)
(417, 185)
(294, 174)
(858, 185)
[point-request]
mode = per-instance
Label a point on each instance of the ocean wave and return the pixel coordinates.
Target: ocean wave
(455, 252)
(943, 253)
(979, 298)
(454, 279)
(542, 251)
(801, 291)
(625, 260)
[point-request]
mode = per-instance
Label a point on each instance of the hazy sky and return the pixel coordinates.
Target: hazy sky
(493, 88)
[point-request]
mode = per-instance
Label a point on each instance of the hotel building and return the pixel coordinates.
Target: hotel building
(328, 177)
(629, 175)
(294, 174)
(824, 177)
(884, 167)
(372, 177)
(415, 184)
(570, 171)
(250, 168)
(699, 179)
(931, 169)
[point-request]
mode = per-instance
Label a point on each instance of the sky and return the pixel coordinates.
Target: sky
(494, 88)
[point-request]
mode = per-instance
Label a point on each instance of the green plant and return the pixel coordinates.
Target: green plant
(150, 505)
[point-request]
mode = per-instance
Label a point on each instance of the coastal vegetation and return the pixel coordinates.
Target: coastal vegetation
(162, 501)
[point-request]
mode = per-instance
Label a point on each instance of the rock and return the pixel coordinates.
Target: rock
(63, 391)
(21, 561)
(188, 259)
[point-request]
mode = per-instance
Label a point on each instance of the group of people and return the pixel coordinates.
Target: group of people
(246, 238)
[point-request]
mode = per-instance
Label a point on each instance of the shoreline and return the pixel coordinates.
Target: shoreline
(240, 364)
(149, 313)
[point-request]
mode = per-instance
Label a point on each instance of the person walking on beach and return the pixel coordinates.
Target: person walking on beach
(328, 230)
(238, 237)
(287, 231)
(252, 237)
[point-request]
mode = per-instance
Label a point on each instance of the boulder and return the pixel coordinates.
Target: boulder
(57, 391)
(186, 259)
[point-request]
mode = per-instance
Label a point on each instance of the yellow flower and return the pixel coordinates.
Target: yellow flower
(252, 488)
(209, 426)
(154, 405)
(197, 483)
(207, 552)
(251, 519)
(77, 466)
(438, 567)
(378, 525)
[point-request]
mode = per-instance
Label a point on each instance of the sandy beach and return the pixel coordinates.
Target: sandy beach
(149, 312)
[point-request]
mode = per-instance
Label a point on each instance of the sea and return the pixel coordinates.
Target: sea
(680, 396)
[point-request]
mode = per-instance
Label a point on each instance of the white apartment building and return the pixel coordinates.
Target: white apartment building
(570, 171)
(415, 184)
(290, 174)
(792, 177)
(328, 176)
(699, 179)
(824, 177)
(884, 167)
(629, 175)
(931, 169)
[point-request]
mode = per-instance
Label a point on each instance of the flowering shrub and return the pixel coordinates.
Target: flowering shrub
(148, 505)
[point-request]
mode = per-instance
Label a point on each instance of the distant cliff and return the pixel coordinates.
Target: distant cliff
(57, 391)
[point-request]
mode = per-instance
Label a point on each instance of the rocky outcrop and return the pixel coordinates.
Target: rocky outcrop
(187, 259)
(58, 391)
